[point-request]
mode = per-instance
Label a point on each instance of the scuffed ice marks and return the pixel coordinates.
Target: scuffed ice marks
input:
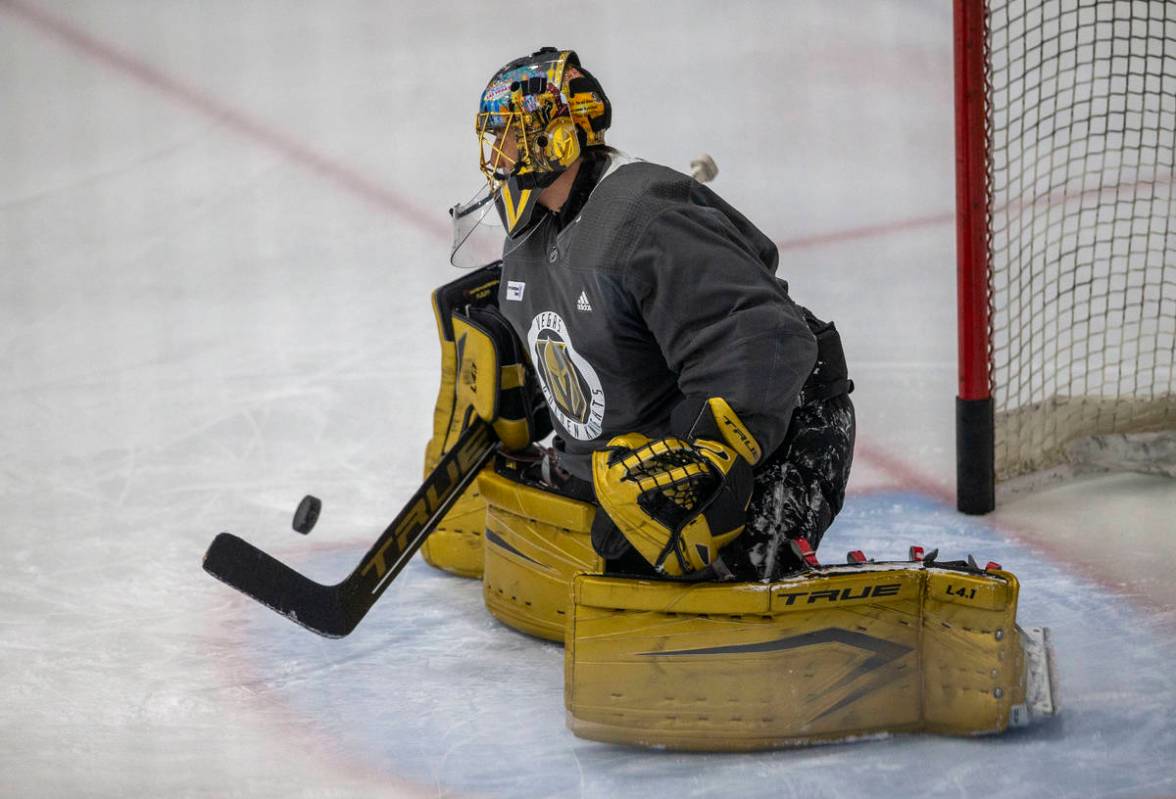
(433, 690)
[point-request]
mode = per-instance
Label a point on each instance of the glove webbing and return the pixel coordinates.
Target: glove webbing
(671, 477)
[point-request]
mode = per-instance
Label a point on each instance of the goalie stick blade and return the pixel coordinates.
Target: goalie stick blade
(335, 610)
(239, 564)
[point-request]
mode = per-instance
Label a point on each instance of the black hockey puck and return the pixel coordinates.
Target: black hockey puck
(307, 514)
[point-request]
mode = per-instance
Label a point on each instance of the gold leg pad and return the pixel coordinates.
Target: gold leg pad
(455, 545)
(832, 654)
(535, 542)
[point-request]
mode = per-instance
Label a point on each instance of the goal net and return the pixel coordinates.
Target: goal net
(1066, 144)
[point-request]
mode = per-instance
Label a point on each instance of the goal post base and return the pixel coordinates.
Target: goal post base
(975, 473)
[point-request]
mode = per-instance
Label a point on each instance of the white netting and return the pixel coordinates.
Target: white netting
(1082, 137)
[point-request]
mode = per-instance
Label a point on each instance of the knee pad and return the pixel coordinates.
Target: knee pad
(536, 541)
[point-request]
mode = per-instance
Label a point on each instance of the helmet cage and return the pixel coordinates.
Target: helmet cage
(493, 130)
(545, 143)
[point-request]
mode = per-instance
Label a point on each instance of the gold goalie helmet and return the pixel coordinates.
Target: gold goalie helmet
(535, 118)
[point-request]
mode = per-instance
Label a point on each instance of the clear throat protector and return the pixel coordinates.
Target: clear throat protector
(480, 232)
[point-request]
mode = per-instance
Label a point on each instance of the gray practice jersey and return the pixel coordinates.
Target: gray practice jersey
(657, 291)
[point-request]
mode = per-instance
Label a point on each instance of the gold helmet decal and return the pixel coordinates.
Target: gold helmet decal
(563, 145)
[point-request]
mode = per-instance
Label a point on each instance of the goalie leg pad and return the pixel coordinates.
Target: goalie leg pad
(455, 545)
(536, 541)
(827, 655)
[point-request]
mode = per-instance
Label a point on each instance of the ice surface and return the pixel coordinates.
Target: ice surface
(219, 223)
(431, 656)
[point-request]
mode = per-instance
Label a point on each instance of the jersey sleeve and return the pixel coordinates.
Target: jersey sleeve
(724, 323)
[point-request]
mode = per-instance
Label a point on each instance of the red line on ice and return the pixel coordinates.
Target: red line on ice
(864, 232)
(944, 492)
(350, 180)
(110, 55)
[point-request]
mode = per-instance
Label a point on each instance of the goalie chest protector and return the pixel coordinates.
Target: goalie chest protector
(644, 295)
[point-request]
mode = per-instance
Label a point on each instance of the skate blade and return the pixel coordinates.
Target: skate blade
(1041, 699)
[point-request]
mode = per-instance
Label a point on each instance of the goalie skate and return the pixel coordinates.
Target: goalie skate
(1040, 689)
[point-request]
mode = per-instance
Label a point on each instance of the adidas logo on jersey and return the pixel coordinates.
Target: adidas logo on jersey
(582, 304)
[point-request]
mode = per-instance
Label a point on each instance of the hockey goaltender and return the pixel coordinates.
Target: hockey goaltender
(703, 437)
(707, 412)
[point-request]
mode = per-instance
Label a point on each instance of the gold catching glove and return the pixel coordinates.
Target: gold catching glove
(679, 501)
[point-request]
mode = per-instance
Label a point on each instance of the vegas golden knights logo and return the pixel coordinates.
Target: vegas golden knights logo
(560, 376)
(569, 382)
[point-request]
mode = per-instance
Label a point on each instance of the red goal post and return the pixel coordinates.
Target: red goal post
(1066, 233)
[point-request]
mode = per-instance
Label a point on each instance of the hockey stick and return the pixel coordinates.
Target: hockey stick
(334, 610)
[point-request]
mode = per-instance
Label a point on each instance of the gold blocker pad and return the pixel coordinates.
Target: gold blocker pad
(455, 545)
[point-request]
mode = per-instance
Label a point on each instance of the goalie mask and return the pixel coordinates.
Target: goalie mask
(535, 118)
